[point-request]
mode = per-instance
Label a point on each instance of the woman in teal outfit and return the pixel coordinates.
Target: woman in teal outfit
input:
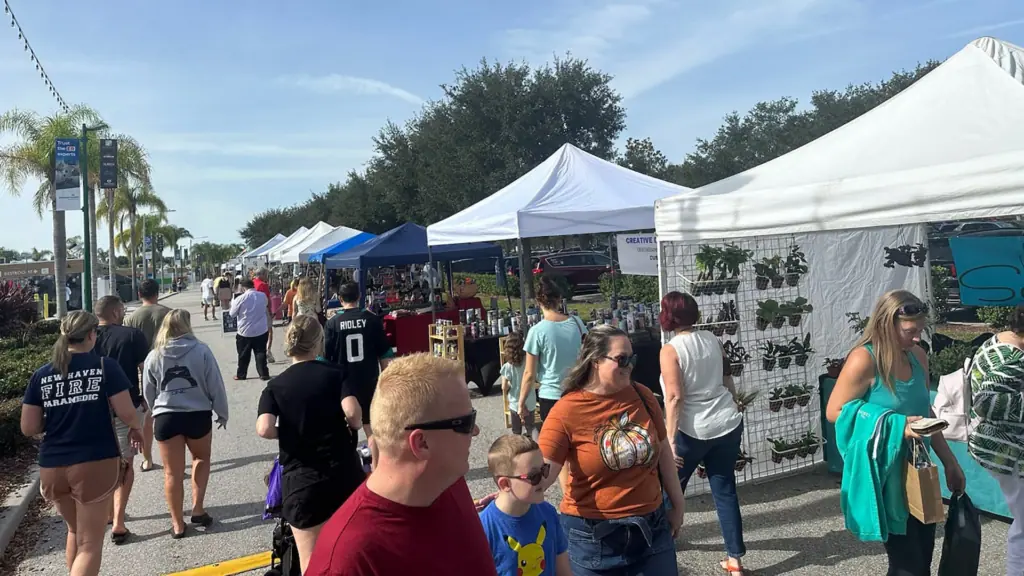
(889, 369)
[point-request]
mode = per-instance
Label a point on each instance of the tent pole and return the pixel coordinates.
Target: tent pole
(615, 277)
(433, 305)
(524, 261)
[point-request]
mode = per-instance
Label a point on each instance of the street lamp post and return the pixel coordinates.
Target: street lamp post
(86, 212)
(145, 263)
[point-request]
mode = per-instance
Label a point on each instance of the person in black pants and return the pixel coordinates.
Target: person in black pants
(250, 308)
(316, 423)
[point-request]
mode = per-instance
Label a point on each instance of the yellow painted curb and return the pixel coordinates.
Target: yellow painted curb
(229, 567)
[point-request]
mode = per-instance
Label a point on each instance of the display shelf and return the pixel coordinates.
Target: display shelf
(448, 341)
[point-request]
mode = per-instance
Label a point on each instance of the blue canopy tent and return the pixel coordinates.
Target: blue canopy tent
(406, 244)
(319, 256)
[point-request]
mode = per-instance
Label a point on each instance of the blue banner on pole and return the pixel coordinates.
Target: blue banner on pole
(67, 174)
(990, 270)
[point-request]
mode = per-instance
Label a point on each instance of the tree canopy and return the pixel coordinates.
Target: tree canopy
(496, 122)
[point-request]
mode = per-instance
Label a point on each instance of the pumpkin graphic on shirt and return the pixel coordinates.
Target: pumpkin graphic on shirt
(623, 443)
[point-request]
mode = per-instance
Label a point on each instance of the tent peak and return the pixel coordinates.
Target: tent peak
(1007, 56)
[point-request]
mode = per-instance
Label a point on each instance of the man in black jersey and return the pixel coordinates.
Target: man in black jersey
(355, 339)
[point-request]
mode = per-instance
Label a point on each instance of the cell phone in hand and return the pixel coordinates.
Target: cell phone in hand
(928, 426)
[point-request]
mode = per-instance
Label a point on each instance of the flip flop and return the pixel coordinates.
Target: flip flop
(145, 468)
(731, 568)
(121, 538)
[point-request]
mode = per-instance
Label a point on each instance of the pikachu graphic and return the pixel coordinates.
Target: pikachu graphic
(531, 556)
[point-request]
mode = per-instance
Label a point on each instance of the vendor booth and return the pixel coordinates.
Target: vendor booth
(572, 192)
(295, 240)
(788, 258)
(291, 255)
(335, 236)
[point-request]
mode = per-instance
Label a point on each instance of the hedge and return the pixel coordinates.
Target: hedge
(487, 284)
(19, 359)
(996, 316)
(636, 288)
(949, 359)
(11, 438)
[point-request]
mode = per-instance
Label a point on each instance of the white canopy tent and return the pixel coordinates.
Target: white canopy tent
(572, 192)
(949, 147)
(339, 234)
(290, 255)
(274, 254)
(277, 239)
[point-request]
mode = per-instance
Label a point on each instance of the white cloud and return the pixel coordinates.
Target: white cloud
(252, 147)
(340, 83)
(983, 30)
(645, 43)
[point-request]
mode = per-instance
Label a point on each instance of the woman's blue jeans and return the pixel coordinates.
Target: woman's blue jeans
(634, 546)
(719, 458)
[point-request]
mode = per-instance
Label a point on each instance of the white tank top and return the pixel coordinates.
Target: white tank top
(708, 410)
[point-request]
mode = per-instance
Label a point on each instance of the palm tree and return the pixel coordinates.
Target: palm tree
(172, 235)
(38, 255)
(132, 169)
(32, 156)
(128, 199)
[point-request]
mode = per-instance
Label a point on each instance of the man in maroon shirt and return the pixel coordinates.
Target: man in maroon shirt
(259, 283)
(414, 513)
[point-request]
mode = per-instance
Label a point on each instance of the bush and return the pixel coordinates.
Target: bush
(637, 288)
(17, 308)
(996, 316)
(949, 359)
(11, 438)
(19, 359)
(940, 291)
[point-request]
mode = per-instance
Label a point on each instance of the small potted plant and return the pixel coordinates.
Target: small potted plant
(811, 442)
(796, 309)
(776, 400)
(833, 366)
(770, 356)
(744, 399)
(729, 317)
(796, 265)
(781, 448)
(805, 395)
(857, 324)
(742, 460)
(706, 261)
(736, 357)
(801, 349)
(768, 314)
(767, 270)
(732, 257)
(791, 396)
(785, 356)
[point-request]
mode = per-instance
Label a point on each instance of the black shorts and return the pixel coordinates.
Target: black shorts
(191, 425)
(310, 498)
(364, 393)
(545, 407)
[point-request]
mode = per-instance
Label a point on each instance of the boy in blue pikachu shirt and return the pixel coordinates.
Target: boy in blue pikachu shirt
(525, 534)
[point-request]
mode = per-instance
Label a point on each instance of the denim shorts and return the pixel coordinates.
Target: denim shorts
(623, 546)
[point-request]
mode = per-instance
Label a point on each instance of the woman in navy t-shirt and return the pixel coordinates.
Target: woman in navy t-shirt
(70, 401)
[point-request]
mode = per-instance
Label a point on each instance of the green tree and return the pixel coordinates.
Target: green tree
(133, 170)
(38, 255)
(8, 255)
(124, 204)
(32, 157)
(641, 156)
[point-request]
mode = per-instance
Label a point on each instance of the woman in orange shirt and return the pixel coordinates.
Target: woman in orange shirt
(289, 297)
(611, 435)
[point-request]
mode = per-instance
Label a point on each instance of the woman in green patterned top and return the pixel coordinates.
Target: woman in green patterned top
(997, 433)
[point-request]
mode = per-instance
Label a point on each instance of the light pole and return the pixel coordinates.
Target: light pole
(145, 263)
(87, 213)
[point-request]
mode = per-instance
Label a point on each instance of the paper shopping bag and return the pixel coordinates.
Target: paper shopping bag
(924, 496)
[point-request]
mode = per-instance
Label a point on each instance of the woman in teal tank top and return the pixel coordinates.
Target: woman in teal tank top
(888, 368)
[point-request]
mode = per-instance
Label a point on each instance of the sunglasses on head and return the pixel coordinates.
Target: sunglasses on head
(462, 424)
(623, 360)
(535, 477)
(911, 310)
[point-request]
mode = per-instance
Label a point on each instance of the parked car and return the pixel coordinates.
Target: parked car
(958, 228)
(583, 270)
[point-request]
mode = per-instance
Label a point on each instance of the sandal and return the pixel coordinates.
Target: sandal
(203, 520)
(146, 465)
(732, 568)
(121, 538)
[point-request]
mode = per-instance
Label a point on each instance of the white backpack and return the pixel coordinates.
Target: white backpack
(953, 402)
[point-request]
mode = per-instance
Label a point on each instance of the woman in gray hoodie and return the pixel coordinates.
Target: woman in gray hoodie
(183, 385)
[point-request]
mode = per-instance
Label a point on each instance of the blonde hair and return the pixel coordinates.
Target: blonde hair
(880, 331)
(595, 347)
(305, 336)
(295, 284)
(306, 291)
(502, 454)
(407, 391)
(176, 323)
(75, 327)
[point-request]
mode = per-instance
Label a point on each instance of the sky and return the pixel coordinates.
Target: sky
(249, 106)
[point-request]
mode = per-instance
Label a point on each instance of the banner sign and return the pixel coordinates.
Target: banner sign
(108, 163)
(990, 269)
(67, 175)
(638, 254)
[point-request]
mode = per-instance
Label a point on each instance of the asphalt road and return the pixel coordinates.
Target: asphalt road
(792, 526)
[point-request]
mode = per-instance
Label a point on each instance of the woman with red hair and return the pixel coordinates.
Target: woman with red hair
(704, 423)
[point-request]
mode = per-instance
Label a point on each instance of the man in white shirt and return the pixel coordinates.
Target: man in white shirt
(253, 327)
(209, 298)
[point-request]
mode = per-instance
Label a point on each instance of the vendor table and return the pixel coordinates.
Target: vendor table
(410, 334)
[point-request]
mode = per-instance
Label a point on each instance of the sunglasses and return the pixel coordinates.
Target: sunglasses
(623, 361)
(462, 425)
(911, 310)
(535, 477)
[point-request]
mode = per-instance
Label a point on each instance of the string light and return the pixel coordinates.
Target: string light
(34, 59)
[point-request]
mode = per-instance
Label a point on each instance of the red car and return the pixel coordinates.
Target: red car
(583, 270)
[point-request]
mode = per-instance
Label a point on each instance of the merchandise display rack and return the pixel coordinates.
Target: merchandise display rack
(747, 299)
(448, 341)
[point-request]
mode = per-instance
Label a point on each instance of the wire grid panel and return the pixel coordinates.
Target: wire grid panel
(730, 311)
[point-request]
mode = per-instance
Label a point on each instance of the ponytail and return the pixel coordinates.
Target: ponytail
(75, 327)
(61, 357)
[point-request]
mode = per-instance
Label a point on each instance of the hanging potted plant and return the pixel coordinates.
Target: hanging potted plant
(731, 259)
(857, 324)
(781, 448)
(744, 399)
(795, 310)
(768, 314)
(805, 395)
(811, 443)
(767, 270)
(776, 399)
(785, 356)
(833, 366)
(770, 356)
(706, 261)
(742, 460)
(728, 319)
(801, 349)
(736, 357)
(796, 265)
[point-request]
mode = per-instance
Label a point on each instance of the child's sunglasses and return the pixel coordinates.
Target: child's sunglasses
(462, 425)
(623, 361)
(535, 477)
